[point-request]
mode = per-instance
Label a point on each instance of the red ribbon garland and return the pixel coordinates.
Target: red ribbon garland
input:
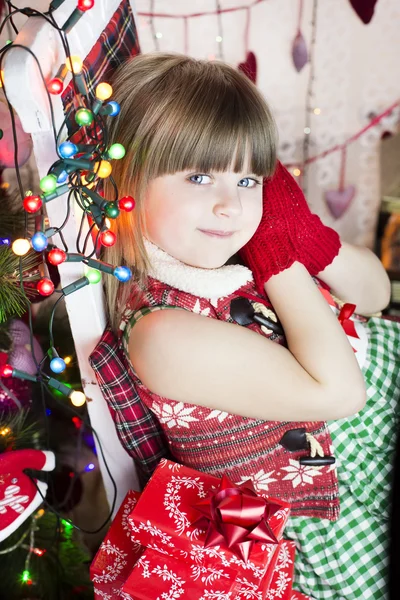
(236, 516)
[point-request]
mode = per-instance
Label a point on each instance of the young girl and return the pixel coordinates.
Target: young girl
(243, 365)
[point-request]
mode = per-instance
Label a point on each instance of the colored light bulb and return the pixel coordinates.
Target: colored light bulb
(56, 256)
(85, 5)
(1, 78)
(26, 577)
(55, 86)
(122, 273)
(89, 467)
(39, 241)
(103, 169)
(75, 64)
(108, 238)
(67, 149)
(48, 183)
(57, 365)
(127, 203)
(32, 203)
(84, 116)
(21, 247)
(77, 398)
(116, 151)
(93, 275)
(112, 210)
(103, 91)
(112, 108)
(45, 287)
(63, 176)
(6, 371)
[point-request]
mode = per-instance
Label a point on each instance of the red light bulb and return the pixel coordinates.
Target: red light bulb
(108, 238)
(6, 371)
(32, 203)
(127, 203)
(55, 86)
(45, 287)
(56, 256)
(85, 5)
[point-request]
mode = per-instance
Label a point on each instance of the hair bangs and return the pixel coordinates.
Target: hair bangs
(221, 123)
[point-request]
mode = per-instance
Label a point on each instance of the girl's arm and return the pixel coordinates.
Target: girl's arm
(199, 360)
(357, 276)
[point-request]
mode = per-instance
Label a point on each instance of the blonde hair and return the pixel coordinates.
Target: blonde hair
(178, 113)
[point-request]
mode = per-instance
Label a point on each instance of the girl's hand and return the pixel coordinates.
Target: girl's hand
(288, 232)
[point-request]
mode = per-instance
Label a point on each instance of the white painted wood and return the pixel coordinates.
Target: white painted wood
(85, 307)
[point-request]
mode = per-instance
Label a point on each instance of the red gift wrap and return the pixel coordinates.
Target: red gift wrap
(167, 519)
(117, 554)
(192, 536)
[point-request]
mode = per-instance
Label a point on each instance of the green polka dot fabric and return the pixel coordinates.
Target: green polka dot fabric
(348, 559)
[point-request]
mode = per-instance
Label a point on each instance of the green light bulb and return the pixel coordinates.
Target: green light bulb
(26, 576)
(93, 275)
(84, 116)
(112, 210)
(116, 151)
(48, 183)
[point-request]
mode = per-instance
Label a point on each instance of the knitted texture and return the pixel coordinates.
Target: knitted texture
(216, 442)
(288, 232)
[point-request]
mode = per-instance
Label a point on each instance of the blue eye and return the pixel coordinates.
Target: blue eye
(199, 179)
(251, 183)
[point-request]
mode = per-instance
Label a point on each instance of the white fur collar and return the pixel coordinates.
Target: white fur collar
(205, 283)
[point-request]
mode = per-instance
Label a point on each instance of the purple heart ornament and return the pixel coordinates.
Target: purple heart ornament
(338, 201)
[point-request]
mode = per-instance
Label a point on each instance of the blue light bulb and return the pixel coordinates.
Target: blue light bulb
(67, 149)
(116, 108)
(57, 365)
(39, 241)
(122, 273)
(63, 176)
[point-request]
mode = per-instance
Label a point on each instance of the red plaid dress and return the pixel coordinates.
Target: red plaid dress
(213, 441)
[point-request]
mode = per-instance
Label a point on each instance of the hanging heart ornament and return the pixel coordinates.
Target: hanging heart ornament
(338, 201)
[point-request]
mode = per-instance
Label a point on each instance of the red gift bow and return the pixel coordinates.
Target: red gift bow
(344, 319)
(236, 516)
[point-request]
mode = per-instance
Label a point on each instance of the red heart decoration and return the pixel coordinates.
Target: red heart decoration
(364, 9)
(338, 201)
(249, 67)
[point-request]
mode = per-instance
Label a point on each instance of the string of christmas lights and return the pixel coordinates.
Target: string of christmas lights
(78, 172)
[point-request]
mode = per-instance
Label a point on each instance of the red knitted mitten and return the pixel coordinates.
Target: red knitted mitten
(288, 232)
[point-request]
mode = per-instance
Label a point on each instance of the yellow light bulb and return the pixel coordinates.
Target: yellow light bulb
(296, 172)
(21, 247)
(5, 431)
(317, 111)
(1, 78)
(75, 64)
(103, 91)
(103, 169)
(67, 360)
(78, 398)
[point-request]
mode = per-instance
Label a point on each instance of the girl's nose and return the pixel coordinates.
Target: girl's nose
(228, 205)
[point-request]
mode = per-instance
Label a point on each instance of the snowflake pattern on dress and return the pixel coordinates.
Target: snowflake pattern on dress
(300, 474)
(260, 480)
(174, 415)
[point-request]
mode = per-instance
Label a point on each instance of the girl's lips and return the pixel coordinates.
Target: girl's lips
(213, 233)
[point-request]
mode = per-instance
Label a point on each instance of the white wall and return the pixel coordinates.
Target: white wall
(357, 72)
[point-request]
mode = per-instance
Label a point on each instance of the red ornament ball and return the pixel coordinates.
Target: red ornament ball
(127, 203)
(45, 287)
(6, 371)
(56, 256)
(32, 203)
(84, 5)
(108, 238)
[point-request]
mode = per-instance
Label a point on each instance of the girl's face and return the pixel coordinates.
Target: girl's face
(203, 219)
